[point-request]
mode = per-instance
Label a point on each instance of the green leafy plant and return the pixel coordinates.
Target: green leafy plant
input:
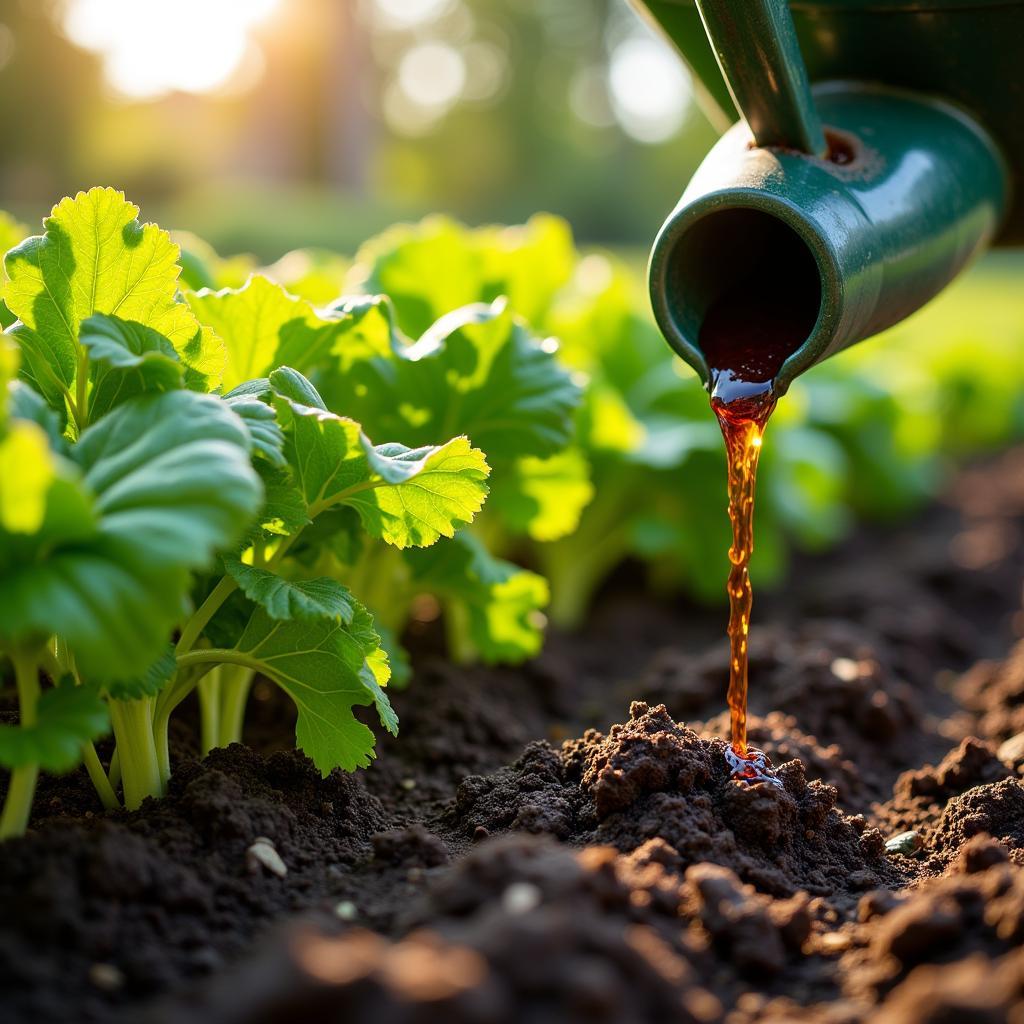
(159, 532)
(476, 371)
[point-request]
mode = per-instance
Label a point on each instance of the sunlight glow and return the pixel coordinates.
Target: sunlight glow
(151, 47)
(431, 79)
(432, 74)
(650, 89)
(410, 13)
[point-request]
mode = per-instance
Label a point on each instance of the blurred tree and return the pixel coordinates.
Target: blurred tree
(346, 114)
(47, 88)
(546, 134)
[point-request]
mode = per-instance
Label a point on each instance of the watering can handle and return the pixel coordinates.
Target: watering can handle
(756, 47)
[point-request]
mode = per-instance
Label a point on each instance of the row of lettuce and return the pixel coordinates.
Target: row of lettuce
(211, 471)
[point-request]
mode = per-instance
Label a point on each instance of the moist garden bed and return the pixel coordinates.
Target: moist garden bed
(517, 856)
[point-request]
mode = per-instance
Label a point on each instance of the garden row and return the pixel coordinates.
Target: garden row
(212, 472)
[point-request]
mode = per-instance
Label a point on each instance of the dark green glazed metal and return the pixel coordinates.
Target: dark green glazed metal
(862, 244)
(925, 100)
(756, 48)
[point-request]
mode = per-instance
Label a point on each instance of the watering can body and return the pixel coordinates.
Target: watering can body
(883, 148)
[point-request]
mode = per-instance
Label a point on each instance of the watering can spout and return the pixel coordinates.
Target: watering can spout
(826, 215)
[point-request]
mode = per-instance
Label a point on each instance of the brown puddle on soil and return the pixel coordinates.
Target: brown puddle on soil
(742, 388)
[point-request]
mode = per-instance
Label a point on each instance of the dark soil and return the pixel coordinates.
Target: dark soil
(561, 842)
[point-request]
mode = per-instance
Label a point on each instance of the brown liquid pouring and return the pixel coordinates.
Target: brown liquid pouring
(744, 362)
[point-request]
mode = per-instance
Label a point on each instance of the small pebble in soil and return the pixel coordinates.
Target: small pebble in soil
(262, 856)
(845, 669)
(521, 898)
(906, 843)
(408, 784)
(1012, 750)
(106, 977)
(346, 910)
(834, 942)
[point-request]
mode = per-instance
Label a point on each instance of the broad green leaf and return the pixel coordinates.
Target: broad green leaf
(126, 359)
(499, 603)
(323, 666)
(96, 257)
(25, 403)
(11, 233)
(27, 469)
(203, 358)
(368, 332)
(146, 684)
(608, 425)
(397, 657)
(261, 422)
(203, 267)
(316, 275)
(66, 717)
(544, 498)
(227, 626)
(262, 326)
(478, 371)
(438, 265)
(288, 383)
(335, 538)
(305, 600)
(284, 511)
(406, 497)
(429, 267)
(10, 359)
(174, 469)
(151, 492)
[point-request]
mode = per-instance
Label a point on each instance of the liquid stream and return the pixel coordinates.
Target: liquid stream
(744, 366)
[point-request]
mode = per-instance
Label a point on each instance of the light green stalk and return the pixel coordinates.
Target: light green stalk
(22, 787)
(235, 686)
(140, 770)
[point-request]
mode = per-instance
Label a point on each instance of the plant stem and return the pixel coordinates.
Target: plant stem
(234, 696)
(52, 665)
(380, 579)
(461, 648)
(577, 565)
(140, 770)
(184, 683)
(56, 665)
(104, 789)
(81, 406)
(22, 786)
(18, 803)
(202, 615)
(576, 572)
(173, 695)
(115, 770)
(209, 690)
(219, 656)
(161, 741)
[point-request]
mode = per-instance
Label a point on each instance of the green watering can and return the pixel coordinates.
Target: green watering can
(839, 208)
